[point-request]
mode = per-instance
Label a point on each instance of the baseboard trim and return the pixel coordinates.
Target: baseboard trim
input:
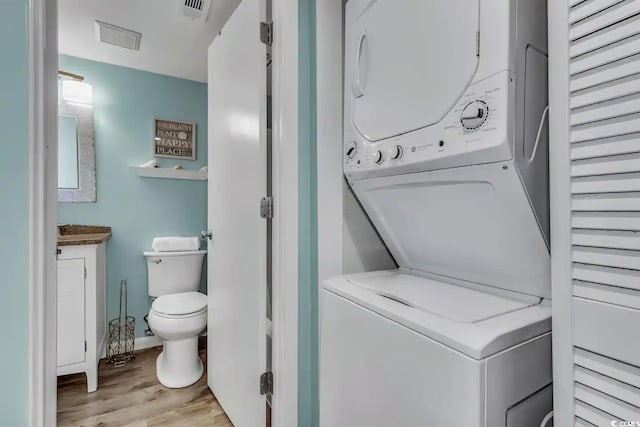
(141, 343)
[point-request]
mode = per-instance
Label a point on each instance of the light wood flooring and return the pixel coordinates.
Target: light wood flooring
(131, 396)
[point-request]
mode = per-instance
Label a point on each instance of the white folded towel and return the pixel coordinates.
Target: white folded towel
(175, 244)
(150, 164)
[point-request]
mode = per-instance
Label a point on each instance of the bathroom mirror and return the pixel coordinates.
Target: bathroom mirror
(76, 153)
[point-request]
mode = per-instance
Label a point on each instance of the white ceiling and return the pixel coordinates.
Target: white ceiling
(172, 44)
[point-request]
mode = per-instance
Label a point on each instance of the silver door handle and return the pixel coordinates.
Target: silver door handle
(206, 234)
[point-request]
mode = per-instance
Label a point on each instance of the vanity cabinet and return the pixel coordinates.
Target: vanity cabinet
(81, 328)
(71, 304)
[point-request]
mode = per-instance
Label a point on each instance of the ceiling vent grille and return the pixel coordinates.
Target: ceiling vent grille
(117, 36)
(198, 10)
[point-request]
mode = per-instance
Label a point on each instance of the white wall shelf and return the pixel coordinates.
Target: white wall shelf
(170, 173)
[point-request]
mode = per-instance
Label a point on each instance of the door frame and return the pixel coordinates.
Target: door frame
(561, 226)
(329, 71)
(329, 90)
(43, 198)
(285, 219)
(42, 170)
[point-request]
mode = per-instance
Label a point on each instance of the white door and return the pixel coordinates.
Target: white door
(237, 181)
(71, 322)
(594, 165)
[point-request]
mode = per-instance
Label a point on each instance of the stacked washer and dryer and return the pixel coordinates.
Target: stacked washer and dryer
(446, 148)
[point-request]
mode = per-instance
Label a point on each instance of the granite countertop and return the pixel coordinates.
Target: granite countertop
(73, 234)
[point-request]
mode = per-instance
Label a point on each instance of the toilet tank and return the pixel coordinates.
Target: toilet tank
(173, 272)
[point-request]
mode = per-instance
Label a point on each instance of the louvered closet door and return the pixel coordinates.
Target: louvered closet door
(595, 173)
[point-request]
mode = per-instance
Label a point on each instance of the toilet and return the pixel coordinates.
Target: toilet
(178, 314)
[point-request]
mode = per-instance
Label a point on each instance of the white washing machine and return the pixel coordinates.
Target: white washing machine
(445, 147)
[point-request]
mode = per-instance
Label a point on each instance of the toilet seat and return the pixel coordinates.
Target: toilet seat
(180, 305)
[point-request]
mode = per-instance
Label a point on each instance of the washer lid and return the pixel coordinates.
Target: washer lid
(408, 63)
(450, 301)
(181, 303)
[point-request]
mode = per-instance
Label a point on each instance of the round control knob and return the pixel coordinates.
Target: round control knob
(378, 157)
(474, 114)
(352, 149)
(395, 152)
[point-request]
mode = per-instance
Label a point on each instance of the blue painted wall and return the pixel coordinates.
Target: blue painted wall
(14, 211)
(308, 404)
(125, 103)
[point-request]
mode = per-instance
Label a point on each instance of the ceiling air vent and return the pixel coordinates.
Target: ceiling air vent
(117, 36)
(194, 9)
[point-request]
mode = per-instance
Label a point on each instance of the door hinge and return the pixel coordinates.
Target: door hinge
(85, 272)
(85, 346)
(58, 252)
(266, 207)
(266, 33)
(478, 43)
(266, 383)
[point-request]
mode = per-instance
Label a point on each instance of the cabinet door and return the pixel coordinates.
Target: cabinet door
(71, 307)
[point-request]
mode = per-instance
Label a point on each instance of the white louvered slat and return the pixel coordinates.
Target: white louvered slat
(588, 8)
(590, 416)
(610, 405)
(614, 388)
(606, 184)
(604, 19)
(579, 422)
(612, 368)
(605, 111)
(606, 239)
(607, 257)
(607, 220)
(606, 128)
(602, 57)
(606, 92)
(609, 294)
(608, 276)
(627, 144)
(606, 202)
(609, 73)
(624, 29)
(627, 163)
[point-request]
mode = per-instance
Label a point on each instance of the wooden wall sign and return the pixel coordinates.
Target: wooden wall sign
(175, 140)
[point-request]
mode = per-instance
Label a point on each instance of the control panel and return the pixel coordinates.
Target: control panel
(474, 131)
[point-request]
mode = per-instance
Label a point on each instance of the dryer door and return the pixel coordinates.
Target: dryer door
(408, 62)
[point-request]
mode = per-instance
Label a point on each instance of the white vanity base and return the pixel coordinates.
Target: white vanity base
(81, 326)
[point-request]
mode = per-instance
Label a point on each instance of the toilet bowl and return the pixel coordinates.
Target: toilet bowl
(178, 314)
(178, 319)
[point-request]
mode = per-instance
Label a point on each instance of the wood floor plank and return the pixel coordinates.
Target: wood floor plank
(131, 396)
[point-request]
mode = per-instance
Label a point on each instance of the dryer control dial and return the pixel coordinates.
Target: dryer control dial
(474, 114)
(378, 157)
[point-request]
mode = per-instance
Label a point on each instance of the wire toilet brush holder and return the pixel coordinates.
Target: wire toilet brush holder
(121, 332)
